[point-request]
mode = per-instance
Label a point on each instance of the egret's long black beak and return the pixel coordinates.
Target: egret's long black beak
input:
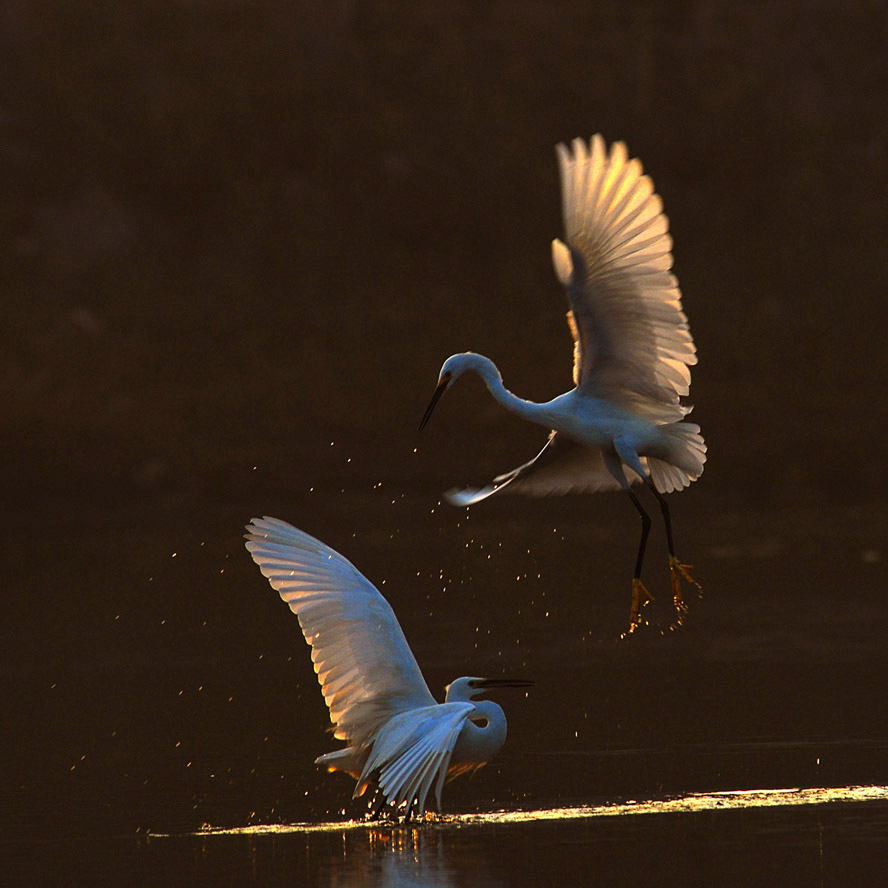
(442, 387)
(504, 683)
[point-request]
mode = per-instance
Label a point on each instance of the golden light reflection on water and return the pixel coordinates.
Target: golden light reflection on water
(691, 803)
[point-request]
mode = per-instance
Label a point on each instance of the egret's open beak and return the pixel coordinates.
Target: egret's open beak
(442, 387)
(504, 683)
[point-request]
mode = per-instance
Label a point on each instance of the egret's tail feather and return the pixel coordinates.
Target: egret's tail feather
(683, 460)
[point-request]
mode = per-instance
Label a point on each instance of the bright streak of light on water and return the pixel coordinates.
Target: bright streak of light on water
(686, 804)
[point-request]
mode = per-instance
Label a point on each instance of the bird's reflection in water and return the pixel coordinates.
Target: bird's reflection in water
(411, 856)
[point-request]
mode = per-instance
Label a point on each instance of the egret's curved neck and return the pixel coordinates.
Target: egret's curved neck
(493, 379)
(483, 733)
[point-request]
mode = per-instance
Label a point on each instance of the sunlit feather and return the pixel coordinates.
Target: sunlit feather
(397, 734)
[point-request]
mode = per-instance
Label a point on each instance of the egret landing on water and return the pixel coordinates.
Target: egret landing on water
(623, 422)
(398, 735)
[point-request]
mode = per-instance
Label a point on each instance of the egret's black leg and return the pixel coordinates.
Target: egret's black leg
(613, 461)
(638, 589)
(645, 530)
(664, 508)
(677, 570)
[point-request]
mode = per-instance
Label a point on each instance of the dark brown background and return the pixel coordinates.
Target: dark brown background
(239, 238)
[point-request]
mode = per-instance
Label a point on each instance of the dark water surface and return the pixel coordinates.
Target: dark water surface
(190, 703)
(833, 844)
(238, 240)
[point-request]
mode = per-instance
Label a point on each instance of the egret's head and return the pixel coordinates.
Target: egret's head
(451, 370)
(464, 689)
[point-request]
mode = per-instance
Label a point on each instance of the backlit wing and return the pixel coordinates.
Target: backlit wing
(413, 750)
(562, 466)
(365, 667)
(632, 341)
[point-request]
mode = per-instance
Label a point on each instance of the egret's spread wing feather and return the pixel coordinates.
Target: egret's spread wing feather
(413, 750)
(365, 667)
(562, 466)
(632, 339)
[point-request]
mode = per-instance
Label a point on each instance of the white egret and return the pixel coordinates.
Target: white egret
(622, 423)
(398, 735)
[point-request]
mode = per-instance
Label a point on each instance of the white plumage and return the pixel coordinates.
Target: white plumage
(633, 344)
(379, 703)
(623, 422)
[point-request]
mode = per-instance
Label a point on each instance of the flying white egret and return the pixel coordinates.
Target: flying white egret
(622, 423)
(398, 735)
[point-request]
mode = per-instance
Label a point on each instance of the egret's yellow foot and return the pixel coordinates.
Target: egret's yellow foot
(678, 572)
(640, 597)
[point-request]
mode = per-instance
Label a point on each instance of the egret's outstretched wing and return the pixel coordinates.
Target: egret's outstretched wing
(562, 466)
(631, 336)
(413, 750)
(365, 667)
